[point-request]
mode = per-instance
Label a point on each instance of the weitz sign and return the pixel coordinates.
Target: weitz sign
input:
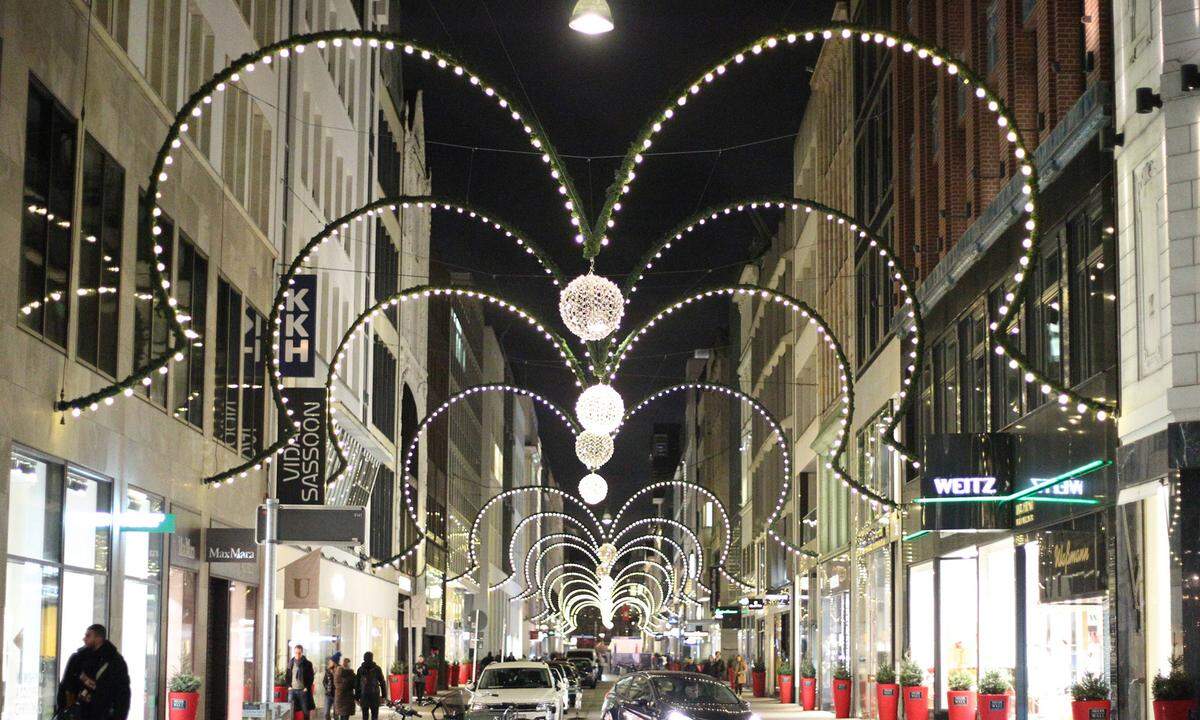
(298, 336)
(300, 471)
(964, 477)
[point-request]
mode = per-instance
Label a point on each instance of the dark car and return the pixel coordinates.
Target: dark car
(663, 695)
(588, 672)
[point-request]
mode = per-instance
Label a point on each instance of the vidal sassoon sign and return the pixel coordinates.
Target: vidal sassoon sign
(300, 471)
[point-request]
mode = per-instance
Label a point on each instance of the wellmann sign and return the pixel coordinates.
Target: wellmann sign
(300, 471)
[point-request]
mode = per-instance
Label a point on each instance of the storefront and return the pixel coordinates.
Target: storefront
(232, 619)
(834, 646)
(871, 613)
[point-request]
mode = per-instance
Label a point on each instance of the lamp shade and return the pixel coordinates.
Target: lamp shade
(591, 17)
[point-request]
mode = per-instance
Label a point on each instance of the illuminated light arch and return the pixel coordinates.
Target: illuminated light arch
(537, 517)
(363, 322)
(912, 359)
(566, 539)
(537, 566)
(580, 504)
(681, 555)
(940, 59)
(195, 107)
(728, 537)
(678, 526)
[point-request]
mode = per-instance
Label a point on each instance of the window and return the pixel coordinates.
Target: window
(141, 607)
(383, 389)
(246, 155)
(200, 50)
(162, 50)
(151, 329)
(460, 341)
(992, 39)
(935, 124)
(191, 290)
(945, 391)
(387, 271)
(382, 512)
(114, 16)
(1046, 316)
(101, 225)
(47, 213)
(875, 299)
(972, 344)
(1007, 404)
(254, 382)
(260, 17)
(59, 544)
(1093, 295)
(226, 386)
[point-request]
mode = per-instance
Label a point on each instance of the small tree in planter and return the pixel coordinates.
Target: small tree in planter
(995, 699)
(281, 686)
(398, 682)
(887, 692)
(1174, 694)
(961, 699)
(785, 680)
(1089, 697)
(182, 696)
(808, 684)
(841, 690)
(915, 692)
(758, 679)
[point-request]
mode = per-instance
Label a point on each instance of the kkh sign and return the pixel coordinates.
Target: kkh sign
(297, 338)
(300, 472)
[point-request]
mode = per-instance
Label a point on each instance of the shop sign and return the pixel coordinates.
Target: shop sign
(315, 525)
(1070, 565)
(966, 479)
(753, 603)
(300, 470)
(232, 545)
(302, 583)
(298, 334)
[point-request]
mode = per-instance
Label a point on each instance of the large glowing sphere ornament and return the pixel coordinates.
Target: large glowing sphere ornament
(591, 306)
(607, 553)
(593, 489)
(600, 409)
(593, 449)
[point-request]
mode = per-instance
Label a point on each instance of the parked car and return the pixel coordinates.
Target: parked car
(528, 690)
(574, 693)
(589, 674)
(664, 695)
(588, 654)
(560, 681)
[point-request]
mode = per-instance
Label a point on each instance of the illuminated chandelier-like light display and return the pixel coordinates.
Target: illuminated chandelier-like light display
(593, 449)
(593, 489)
(591, 306)
(599, 409)
(605, 599)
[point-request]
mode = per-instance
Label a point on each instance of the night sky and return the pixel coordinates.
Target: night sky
(592, 94)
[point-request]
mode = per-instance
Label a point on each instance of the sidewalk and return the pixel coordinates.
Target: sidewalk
(769, 708)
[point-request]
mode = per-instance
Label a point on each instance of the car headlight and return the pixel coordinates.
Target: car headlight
(543, 707)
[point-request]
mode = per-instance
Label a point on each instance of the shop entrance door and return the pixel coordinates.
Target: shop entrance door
(216, 693)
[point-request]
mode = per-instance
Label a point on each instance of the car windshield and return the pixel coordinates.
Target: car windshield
(514, 678)
(693, 690)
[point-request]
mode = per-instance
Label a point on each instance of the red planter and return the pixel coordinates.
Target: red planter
(960, 704)
(758, 680)
(398, 688)
(182, 705)
(808, 693)
(841, 698)
(452, 677)
(1173, 709)
(916, 702)
(431, 681)
(785, 688)
(887, 699)
(1091, 710)
(465, 671)
(281, 693)
(995, 707)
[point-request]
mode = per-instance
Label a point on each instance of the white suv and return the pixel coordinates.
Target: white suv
(528, 689)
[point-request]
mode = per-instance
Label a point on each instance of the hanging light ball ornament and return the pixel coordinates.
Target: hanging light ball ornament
(600, 409)
(591, 306)
(593, 489)
(607, 553)
(593, 449)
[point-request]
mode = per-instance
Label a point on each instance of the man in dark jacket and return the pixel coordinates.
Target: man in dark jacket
(369, 684)
(96, 680)
(300, 677)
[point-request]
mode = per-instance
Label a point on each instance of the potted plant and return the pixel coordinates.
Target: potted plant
(995, 698)
(1089, 697)
(785, 681)
(432, 665)
(808, 684)
(281, 686)
(758, 679)
(466, 672)
(887, 692)
(452, 676)
(182, 696)
(960, 696)
(398, 682)
(1174, 694)
(841, 690)
(913, 690)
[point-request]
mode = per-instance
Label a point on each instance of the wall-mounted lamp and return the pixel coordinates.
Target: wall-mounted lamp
(1147, 100)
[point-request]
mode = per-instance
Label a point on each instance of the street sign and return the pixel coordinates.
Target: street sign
(316, 525)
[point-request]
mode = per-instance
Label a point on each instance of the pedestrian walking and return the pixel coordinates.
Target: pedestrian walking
(343, 691)
(370, 684)
(301, 676)
(420, 670)
(95, 684)
(717, 666)
(331, 667)
(740, 669)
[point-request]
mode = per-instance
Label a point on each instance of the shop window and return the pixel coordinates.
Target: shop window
(1094, 296)
(101, 227)
(181, 621)
(835, 624)
(142, 600)
(191, 290)
(59, 545)
(47, 214)
(997, 607)
(958, 617)
(872, 616)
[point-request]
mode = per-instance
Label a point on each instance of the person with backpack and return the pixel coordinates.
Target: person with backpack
(369, 686)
